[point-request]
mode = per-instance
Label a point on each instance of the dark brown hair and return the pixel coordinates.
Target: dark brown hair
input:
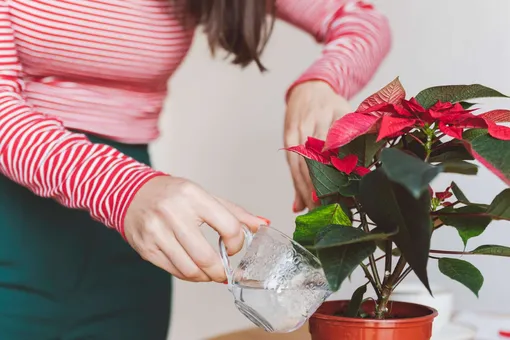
(241, 27)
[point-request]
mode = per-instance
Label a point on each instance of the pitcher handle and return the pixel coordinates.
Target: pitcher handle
(248, 238)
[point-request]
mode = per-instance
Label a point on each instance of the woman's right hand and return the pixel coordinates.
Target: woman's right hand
(163, 225)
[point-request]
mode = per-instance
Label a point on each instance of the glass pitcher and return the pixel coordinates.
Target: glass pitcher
(278, 284)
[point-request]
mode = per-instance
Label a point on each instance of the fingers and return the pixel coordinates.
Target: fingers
(183, 242)
(307, 186)
(293, 161)
(296, 132)
(299, 204)
(322, 128)
(176, 260)
(204, 258)
(146, 246)
(307, 191)
(160, 260)
(150, 252)
(197, 247)
(312, 107)
(251, 221)
(218, 217)
(162, 225)
(301, 181)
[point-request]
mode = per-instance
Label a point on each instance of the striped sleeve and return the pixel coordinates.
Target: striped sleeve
(37, 152)
(356, 37)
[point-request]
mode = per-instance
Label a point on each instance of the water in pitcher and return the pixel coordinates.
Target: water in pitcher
(278, 309)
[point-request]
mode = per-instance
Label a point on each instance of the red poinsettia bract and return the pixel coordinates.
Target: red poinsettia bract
(314, 149)
(389, 115)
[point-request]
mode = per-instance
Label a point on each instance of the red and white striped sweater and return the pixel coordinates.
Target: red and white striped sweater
(102, 66)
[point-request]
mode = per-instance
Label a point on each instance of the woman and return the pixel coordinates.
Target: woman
(82, 85)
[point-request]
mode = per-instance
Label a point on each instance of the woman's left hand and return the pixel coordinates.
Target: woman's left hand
(311, 109)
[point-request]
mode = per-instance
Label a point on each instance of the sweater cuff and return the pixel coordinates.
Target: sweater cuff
(319, 71)
(129, 195)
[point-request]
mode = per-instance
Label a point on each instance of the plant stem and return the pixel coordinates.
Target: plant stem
(373, 265)
(377, 259)
(416, 139)
(398, 270)
(359, 221)
(449, 252)
(387, 264)
(435, 213)
(403, 276)
(428, 148)
(393, 142)
(430, 132)
(371, 258)
(374, 163)
(371, 280)
(376, 157)
(437, 223)
(405, 143)
(382, 303)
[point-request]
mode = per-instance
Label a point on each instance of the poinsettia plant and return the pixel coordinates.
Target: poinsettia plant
(372, 179)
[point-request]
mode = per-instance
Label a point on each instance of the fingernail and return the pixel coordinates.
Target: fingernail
(294, 207)
(267, 221)
(504, 333)
(225, 282)
(315, 198)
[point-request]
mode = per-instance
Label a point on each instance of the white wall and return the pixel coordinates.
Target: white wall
(223, 128)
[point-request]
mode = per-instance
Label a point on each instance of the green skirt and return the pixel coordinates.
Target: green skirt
(64, 276)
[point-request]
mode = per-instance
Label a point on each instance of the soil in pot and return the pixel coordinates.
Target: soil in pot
(406, 321)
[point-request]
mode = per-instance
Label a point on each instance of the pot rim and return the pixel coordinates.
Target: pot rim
(328, 317)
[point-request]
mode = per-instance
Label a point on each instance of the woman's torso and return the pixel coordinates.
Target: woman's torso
(101, 66)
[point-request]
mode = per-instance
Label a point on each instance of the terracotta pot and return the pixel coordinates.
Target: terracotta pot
(410, 322)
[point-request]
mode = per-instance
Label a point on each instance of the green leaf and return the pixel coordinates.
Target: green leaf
(459, 194)
(470, 221)
(454, 93)
(310, 224)
(326, 179)
(341, 250)
(335, 236)
(346, 203)
(410, 144)
(389, 205)
(352, 187)
(500, 206)
(409, 171)
(474, 133)
(355, 302)
(381, 244)
(450, 151)
(396, 252)
(463, 272)
(491, 249)
(493, 153)
(365, 147)
(467, 105)
(459, 167)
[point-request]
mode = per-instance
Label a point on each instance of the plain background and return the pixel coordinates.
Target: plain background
(222, 127)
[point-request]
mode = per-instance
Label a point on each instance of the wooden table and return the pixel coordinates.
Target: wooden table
(258, 334)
